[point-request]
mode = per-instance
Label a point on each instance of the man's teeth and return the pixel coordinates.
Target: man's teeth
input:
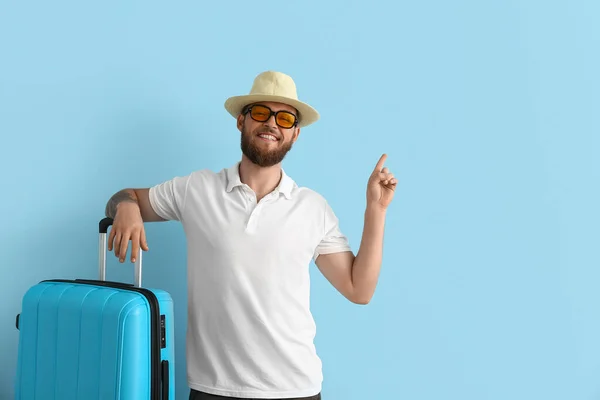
(268, 137)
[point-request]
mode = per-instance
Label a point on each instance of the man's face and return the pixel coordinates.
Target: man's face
(266, 143)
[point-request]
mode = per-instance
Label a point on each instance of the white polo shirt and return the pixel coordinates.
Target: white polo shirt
(250, 330)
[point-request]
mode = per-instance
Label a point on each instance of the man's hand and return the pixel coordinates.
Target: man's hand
(381, 186)
(128, 225)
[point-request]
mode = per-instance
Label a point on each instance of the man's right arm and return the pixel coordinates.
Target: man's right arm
(129, 209)
(139, 197)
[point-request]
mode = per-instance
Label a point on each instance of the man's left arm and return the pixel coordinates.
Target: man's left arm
(356, 277)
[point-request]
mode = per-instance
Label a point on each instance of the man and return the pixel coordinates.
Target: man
(251, 234)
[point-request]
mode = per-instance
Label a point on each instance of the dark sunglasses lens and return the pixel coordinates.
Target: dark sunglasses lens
(285, 119)
(260, 113)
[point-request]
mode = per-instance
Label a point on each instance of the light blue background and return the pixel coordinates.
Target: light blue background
(489, 114)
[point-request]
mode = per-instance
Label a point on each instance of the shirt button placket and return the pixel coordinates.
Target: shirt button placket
(253, 208)
(253, 220)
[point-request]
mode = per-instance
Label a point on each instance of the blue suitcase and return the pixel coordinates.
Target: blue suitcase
(95, 340)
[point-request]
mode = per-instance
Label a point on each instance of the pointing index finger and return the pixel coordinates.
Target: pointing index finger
(379, 165)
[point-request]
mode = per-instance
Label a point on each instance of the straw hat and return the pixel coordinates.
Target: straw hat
(276, 87)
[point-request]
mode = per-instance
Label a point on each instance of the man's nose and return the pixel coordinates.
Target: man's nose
(271, 122)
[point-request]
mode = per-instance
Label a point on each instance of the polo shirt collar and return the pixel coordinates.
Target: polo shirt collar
(233, 179)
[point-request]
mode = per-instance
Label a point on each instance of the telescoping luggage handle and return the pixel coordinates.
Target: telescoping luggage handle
(104, 224)
(163, 372)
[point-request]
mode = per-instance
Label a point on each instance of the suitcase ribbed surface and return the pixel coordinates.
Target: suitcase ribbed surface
(84, 342)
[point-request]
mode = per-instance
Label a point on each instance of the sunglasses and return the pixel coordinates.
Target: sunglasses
(260, 113)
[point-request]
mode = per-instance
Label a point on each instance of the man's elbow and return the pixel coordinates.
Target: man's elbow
(361, 299)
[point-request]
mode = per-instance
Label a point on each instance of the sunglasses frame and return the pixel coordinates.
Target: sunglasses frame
(248, 109)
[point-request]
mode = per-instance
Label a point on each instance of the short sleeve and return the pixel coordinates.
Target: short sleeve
(333, 240)
(168, 198)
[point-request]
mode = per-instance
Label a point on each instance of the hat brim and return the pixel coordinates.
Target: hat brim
(308, 115)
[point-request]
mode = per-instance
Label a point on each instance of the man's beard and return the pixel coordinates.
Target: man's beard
(260, 157)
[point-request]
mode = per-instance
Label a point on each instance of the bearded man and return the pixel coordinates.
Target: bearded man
(251, 234)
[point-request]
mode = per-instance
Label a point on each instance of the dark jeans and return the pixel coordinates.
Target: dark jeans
(196, 395)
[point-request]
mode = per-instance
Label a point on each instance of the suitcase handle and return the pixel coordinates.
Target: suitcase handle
(102, 249)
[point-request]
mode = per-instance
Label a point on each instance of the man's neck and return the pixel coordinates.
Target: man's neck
(262, 180)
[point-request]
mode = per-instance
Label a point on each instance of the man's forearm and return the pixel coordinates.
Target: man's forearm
(367, 264)
(125, 195)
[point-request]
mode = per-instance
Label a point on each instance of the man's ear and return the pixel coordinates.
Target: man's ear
(240, 122)
(296, 134)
